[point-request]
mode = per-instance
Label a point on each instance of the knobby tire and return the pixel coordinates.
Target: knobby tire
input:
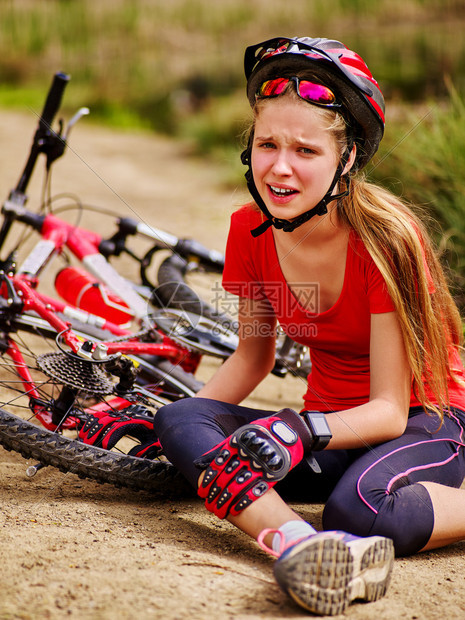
(86, 461)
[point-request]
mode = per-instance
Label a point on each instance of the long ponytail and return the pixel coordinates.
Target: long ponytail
(400, 247)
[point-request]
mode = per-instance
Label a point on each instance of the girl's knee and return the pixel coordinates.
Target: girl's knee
(170, 414)
(404, 515)
(183, 410)
(407, 518)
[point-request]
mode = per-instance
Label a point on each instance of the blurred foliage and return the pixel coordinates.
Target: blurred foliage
(169, 60)
(422, 159)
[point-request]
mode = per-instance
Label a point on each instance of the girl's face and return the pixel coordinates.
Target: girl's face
(294, 156)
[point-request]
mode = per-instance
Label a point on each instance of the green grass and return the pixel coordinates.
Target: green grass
(22, 98)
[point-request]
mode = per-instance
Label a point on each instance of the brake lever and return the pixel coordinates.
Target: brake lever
(79, 114)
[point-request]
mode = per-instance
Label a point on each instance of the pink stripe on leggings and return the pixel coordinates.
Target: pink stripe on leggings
(419, 468)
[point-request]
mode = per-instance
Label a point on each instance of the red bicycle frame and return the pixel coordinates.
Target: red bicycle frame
(20, 289)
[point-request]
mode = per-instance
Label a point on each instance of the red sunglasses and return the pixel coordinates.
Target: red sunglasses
(309, 91)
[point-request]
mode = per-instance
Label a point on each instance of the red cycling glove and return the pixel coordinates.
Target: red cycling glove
(106, 430)
(252, 460)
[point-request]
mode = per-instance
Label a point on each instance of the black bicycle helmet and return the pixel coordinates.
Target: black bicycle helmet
(346, 74)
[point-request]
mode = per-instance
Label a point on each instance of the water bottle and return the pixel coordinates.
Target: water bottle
(80, 289)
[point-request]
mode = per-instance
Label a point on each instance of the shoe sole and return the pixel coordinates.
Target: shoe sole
(324, 576)
(373, 562)
(316, 574)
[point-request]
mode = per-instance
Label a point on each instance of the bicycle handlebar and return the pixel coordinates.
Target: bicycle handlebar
(53, 101)
(45, 141)
(45, 138)
(53, 145)
(19, 213)
(187, 248)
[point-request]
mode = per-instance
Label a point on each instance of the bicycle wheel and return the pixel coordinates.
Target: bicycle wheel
(196, 289)
(34, 375)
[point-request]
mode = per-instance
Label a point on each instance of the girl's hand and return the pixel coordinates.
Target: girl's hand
(251, 461)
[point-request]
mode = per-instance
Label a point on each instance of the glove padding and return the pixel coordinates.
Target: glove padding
(252, 460)
(105, 430)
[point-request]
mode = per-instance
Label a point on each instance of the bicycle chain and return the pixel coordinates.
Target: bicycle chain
(137, 335)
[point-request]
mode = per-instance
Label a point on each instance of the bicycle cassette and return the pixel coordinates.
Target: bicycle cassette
(76, 373)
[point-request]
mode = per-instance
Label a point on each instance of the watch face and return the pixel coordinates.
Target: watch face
(320, 426)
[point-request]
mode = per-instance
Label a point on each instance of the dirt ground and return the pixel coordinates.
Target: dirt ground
(72, 548)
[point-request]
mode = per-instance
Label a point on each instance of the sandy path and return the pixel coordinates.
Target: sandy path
(72, 548)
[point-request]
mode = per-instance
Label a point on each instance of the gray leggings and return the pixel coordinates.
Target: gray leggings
(365, 491)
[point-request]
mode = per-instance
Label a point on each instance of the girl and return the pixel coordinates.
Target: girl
(380, 437)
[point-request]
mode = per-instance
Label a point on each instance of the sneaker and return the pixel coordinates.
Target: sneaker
(325, 572)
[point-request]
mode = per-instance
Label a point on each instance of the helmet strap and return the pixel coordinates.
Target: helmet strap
(319, 209)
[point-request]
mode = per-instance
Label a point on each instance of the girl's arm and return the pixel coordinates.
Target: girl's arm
(385, 415)
(253, 359)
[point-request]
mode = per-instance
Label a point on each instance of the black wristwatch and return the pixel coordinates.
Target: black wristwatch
(316, 422)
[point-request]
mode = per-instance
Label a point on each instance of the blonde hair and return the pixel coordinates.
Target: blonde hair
(400, 246)
(401, 249)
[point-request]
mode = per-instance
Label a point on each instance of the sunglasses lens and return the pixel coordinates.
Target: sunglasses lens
(273, 88)
(313, 93)
(316, 93)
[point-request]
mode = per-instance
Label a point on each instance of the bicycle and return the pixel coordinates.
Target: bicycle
(116, 300)
(89, 378)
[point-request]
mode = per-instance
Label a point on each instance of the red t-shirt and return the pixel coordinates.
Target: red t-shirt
(339, 338)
